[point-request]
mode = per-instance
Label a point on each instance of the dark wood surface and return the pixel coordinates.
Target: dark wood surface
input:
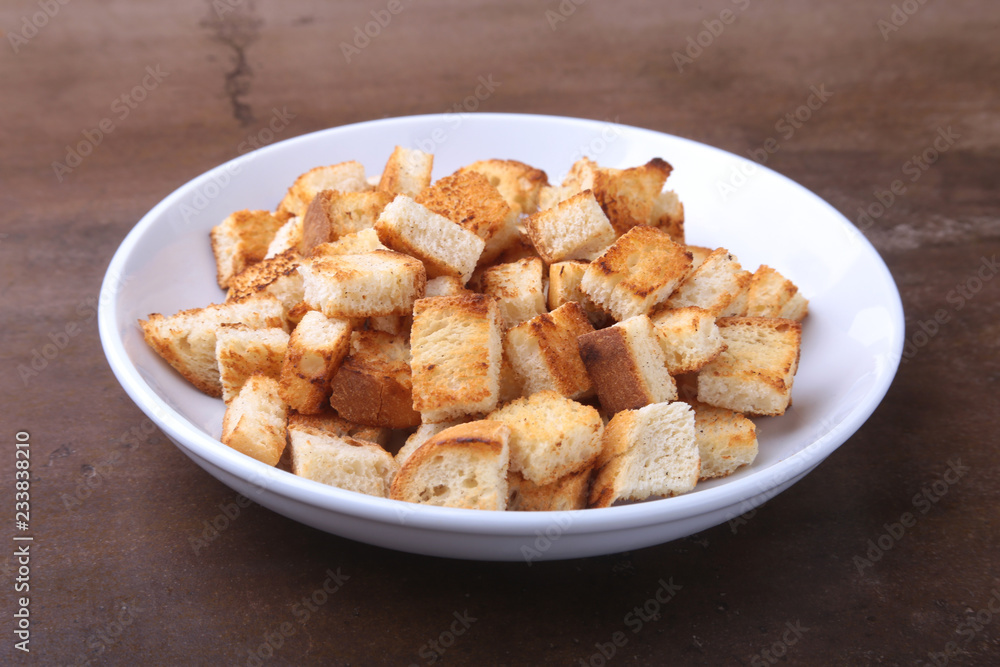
(114, 577)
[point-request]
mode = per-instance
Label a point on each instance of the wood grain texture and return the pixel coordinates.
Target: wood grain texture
(118, 576)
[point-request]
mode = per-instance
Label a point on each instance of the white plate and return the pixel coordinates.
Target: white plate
(852, 339)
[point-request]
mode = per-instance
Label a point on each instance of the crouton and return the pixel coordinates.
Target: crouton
(341, 461)
(517, 288)
(580, 176)
(242, 239)
(668, 215)
(456, 354)
(445, 286)
(726, 440)
(316, 349)
(688, 337)
(544, 353)
(329, 420)
(551, 436)
(423, 433)
(627, 366)
(356, 243)
(407, 172)
(288, 237)
(277, 276)
(254, 422)
(242, 351)
(576, 228)
(372, 284)
(344, 177)
(754, 373)
(770, 294)
(373, 385)
(566, 493)
(698, 255)
(463, 466)
(468, 199)
(445, 248)
(636, 273)
(564, 286)
(519, 184)
(187, 339)
(713, 285)
(627, 195)
(511, 382)
(333, 214)
(647, 452)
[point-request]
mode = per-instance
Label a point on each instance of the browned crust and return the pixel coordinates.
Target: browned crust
(569, 492)
(468, 199)
(557, 333)
(484, 436)
(166, 351)
(613, 370)
(317, 226)
(307, 393)
(373, 390)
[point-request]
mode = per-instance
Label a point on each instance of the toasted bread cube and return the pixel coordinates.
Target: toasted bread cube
(647, 452)
(713, 285)
(581, 175)
(566, 493)
(550, 195)
(770, 294)
(316, 349)
(344, 177)
(333, 215)
(543, 351)
(187, 339)
(372, 284)
(627, 196)
(627, 366)
(277, 276)
(242, 239)
(445, 286)
(456, 354)
(356, 243)
(564, 286)
(392, 324)
(423, 433)
(242, 351)
(511, 382)
(519, 184)
(698, 255)
(726, 440)
(463, 466)
(754, 373)
(738, 306)
(576, 228)
(407, 172)
(288, 237)
(468, 199)
(636, 273)
(341, 461)
(517, 288)
(688, 337)
(254, 422)
(373, 386)
(668, 215)
(551, 436)
(329, 421)
(446, 248)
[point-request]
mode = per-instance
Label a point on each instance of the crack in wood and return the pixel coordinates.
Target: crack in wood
(237, 26)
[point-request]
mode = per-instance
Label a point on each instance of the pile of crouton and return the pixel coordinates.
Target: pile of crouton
(487, 340)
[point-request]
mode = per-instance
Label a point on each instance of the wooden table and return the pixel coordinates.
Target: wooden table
(115, 577)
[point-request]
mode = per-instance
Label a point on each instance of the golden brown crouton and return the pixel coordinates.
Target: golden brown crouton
(373, 386)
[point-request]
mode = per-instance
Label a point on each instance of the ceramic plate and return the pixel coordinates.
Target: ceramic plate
(852, 339)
